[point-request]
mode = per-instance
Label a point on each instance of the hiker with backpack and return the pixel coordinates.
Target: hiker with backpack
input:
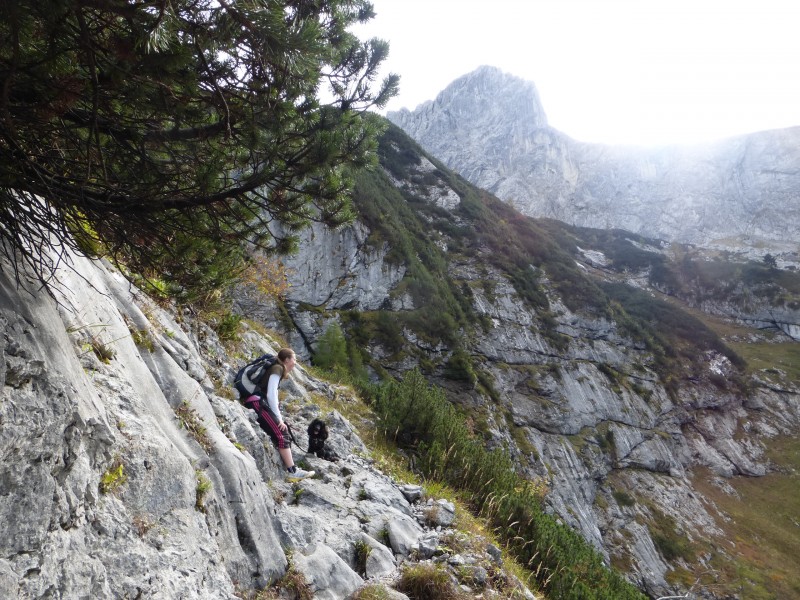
(257, 384)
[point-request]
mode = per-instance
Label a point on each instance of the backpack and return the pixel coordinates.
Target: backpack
(248, 376)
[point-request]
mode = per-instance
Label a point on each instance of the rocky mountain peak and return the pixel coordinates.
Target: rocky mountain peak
(739, 195)
(487, 93)
(476, 104)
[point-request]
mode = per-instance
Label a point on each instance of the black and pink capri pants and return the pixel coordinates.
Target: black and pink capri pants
(268, 421)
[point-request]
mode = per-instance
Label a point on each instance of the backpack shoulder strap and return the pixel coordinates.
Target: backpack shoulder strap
(263, 380)
(264, 358)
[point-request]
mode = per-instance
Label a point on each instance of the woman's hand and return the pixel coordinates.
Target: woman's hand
(283, 426)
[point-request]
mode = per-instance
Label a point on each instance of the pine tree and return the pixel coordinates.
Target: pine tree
(331, 348)
(136, 123)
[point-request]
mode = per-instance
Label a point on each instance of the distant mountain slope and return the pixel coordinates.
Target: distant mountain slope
(576, 349)
(740, 194)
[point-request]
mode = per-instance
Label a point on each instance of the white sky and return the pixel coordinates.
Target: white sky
(611, 71)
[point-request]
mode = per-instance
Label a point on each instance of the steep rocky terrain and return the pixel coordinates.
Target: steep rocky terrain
(740, 195)
(619, 424)
(129, 472)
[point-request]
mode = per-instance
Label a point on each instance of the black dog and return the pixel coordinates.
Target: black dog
(317, 434)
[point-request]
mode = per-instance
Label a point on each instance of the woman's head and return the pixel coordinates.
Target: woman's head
(288, 359)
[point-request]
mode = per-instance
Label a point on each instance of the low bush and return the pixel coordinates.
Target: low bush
(202, 489)
(362, 551)
(113, 478)
(191, 422)
(428, 581)
(565, 566)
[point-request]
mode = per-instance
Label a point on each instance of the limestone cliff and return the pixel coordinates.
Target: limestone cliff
(577, 397)
(740, 194)
(129, 472)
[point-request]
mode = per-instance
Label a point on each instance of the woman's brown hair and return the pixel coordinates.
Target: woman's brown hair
(283, 354)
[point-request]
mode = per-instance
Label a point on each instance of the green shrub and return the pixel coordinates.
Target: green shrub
(227, 326)
(623, 498)
(295, 583)
(669, 542)
(362, 551)
(102, 350)
(113, 478)
(331, 348)
(372, 591)
(459, 368)
(566, 566)
(191, 422)
(142, 337)
(427, 581)
(203, 487)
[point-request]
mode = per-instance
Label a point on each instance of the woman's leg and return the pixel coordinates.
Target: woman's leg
(269, 424)
(286, 456)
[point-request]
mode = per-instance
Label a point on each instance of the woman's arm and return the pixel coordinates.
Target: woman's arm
(272, 395)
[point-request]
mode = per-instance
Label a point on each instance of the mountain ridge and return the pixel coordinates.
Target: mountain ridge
(555, 341)
(559, 344)
(737, 195)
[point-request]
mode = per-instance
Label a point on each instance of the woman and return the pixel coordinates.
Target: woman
(269, 416)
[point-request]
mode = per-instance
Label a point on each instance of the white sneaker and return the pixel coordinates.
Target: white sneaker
(299, 474)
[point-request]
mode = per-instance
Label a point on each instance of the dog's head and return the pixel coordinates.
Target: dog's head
(318, 429)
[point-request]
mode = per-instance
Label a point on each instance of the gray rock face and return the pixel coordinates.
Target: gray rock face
(329, 576)
(584, 431)
(739, 194)
(105, 492)
(404, 533)
(105, 479)
(380, 560)
(485, 99)
(341, 271)
(336, 269)
(441, 513)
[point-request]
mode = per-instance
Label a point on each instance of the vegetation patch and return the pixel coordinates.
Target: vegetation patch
(294, 584)
(102, 350)
(373, 591)
(564, 564)
(362, 551)
(142, 338)
(520, 437)
(428, 581)
(459, 368)
(227, 325)
(604, 436)
(766, 514)
(191, 422)
(201, 490)
(113, 478)
(142, 524)
(774, 361)
(664, 531)
(672, 335)
(486, 384)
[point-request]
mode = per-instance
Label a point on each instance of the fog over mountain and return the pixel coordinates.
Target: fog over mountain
(740, 195)
(575, 349)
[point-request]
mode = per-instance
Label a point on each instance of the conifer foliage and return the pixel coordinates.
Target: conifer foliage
(331, 348)
(132, 122)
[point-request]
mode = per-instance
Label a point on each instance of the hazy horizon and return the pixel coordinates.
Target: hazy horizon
(615, 72)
